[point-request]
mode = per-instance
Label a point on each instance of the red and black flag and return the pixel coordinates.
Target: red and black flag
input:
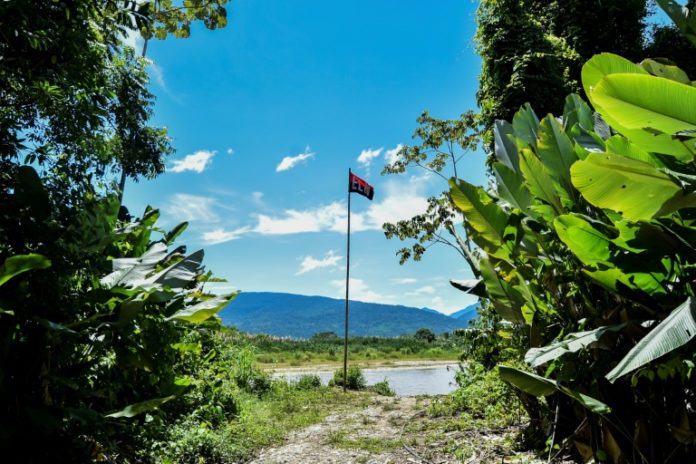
(356, 184)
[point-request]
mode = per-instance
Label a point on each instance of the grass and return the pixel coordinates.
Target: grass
(267, 420)
(277, 352)
(339, 439)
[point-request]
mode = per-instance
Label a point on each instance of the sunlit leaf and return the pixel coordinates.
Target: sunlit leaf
(675, 331)
(633, 188)
(203, 310)
(139, 408)
(572, 343)
(587, 243)
(15, 265)
(541, 386)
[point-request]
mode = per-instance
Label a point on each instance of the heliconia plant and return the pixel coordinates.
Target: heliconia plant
(587, 243)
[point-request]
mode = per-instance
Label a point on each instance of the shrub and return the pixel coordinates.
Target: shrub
(308, 382)
(383, 388)
(355, 379)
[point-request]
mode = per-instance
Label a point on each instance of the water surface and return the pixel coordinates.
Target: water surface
(405, 381)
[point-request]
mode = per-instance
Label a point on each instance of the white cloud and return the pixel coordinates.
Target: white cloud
(366, 156)
(230, 151)
(405, 280)
(438, 303)
(290, 162)
(309, 263)
(391, 156)
(185, 207)
(292, 221)
(158, 74)
(401, 201)
(196, 162)
(359, 291)
(426, 290)
(220, 235)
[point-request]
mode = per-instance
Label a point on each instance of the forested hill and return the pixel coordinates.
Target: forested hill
(301, 316)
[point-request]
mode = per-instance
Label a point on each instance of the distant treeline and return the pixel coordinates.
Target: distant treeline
(328, 347)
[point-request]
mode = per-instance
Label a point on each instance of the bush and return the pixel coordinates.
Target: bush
(355, 379)
(308, 382)
(383, 388)
(481, 395)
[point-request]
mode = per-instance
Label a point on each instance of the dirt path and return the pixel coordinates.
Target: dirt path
(391, 431)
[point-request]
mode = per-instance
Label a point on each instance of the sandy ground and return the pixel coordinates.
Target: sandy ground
(392, 431)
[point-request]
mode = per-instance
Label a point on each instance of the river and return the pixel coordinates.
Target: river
(405, 381)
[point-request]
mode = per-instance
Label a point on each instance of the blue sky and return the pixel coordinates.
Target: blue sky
(268, 114)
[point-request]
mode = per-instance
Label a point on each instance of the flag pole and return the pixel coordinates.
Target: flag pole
(345, 340)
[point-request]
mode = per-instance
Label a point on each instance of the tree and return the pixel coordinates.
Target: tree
(442, 145)
(91, 340)
(425, 334)
(532, 50)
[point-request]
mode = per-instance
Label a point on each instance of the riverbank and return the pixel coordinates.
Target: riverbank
(372, 364)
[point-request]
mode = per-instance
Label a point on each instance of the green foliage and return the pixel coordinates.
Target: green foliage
(383, 388)
(598, 254)
(279, 351)
(425, 334)
(532, 51)
(442, 145)
(308, 382)
(15, 265)
(89, 347)
(162, 18)
(355, 380)
(482, 399)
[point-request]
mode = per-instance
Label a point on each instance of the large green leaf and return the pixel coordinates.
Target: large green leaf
(505, 147)
(132, 272)
(175, 232)
(648, 110)
(620, 145)
(577, 112)
(642, 101)
(15, 265)
(616, 280)
(139, 408)
(526, 124)
(675, 331)
(572, 343)
(506, 300)
(527, 382)
(667, 71)
(181, 274)
(556, 152)
(482, 214)
(538, 180)
(633, 188)
(203, 310)
(541, 386)
(587, 243)
(473, 286)
(604, 64)
(511, 188)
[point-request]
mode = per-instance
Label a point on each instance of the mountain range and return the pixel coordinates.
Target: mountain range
(468, 313)
(301, 316)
